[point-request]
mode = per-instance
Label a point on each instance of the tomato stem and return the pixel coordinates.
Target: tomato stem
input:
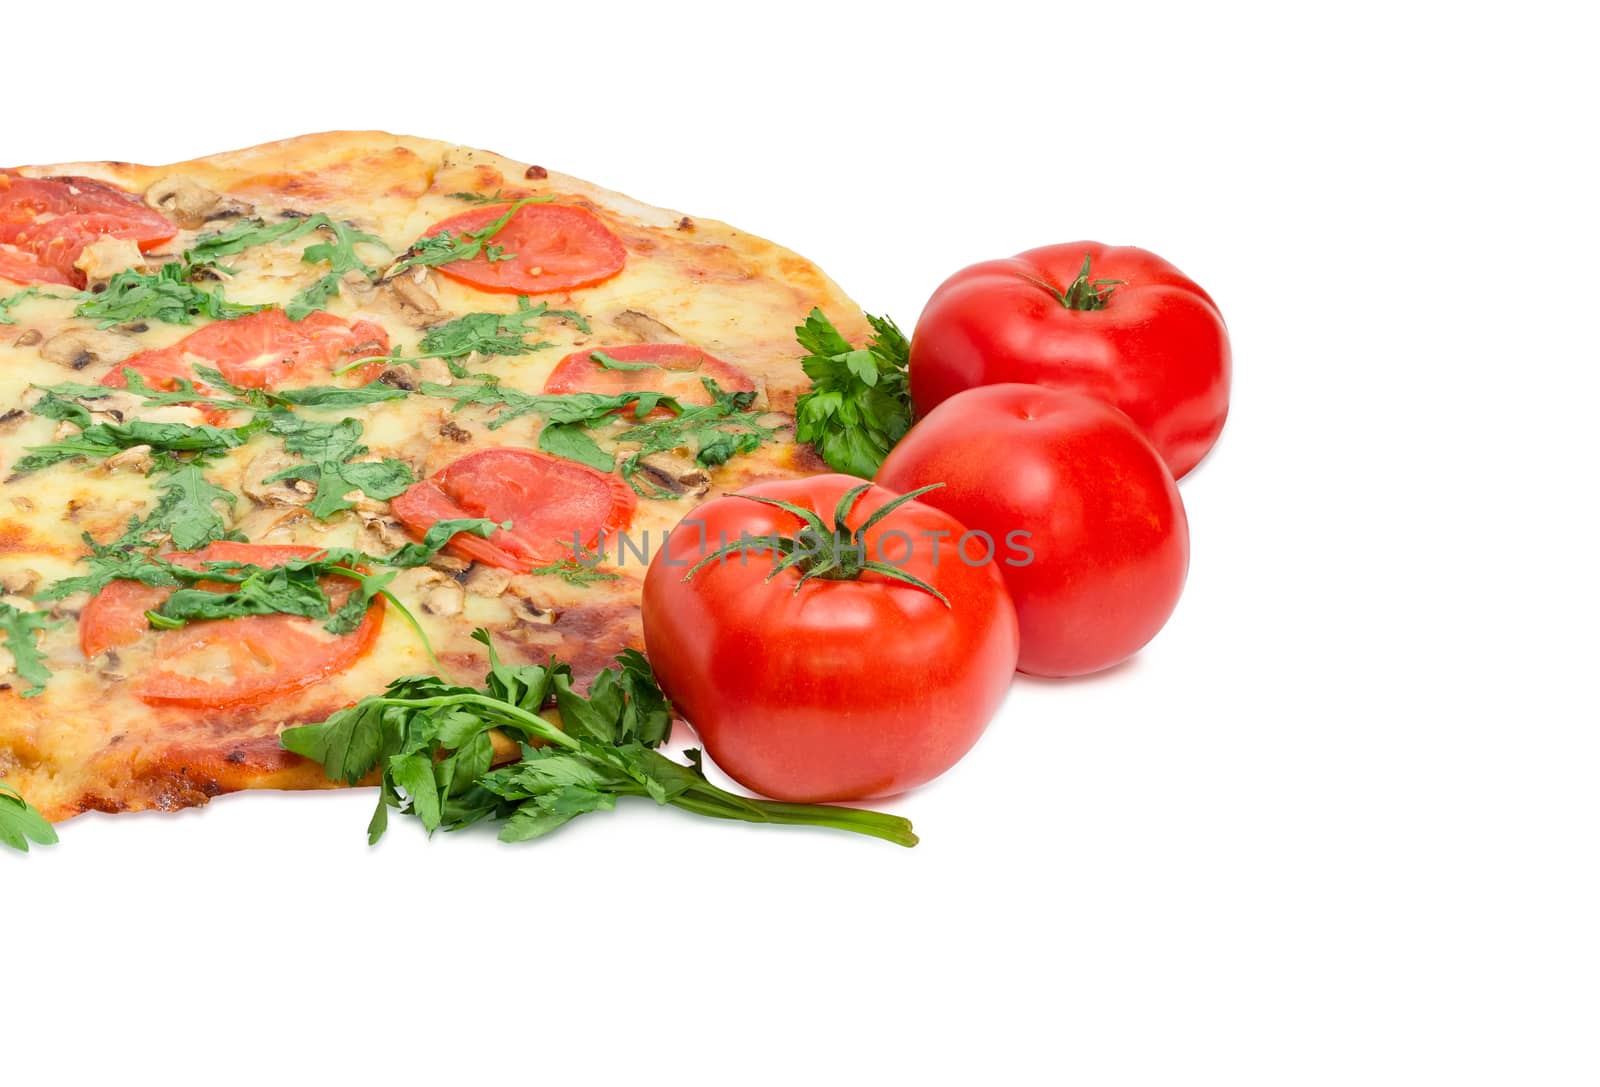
(833, 553)
(1083, 293)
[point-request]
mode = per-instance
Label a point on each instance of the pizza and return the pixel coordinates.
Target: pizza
(284, 424)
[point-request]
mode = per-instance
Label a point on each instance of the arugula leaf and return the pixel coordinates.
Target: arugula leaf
(340, 256)
(859, 404)
(332, 449)
(20, 628)
(339, 253)
(715, 432)
(489, 334)
(20, 821)
(187, 513)
(446, 248)
(165, 296)
(95, 440)
(606, 362)
(586, 409)
(574, 572)
(119, 561)
(25, 295)
(429, 740)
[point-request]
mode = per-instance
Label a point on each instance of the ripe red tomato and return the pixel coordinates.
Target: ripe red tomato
(808, 684)
(246, 661)
(553, 504)
(1118, 323)
(1108, 538)
(542, 248)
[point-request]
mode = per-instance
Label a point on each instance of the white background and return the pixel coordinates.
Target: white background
(1336, 825)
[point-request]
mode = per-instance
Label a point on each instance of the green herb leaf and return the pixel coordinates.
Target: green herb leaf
(430, 740)
(166, 296)
(332, 449)
(96, 440)
(20, 629)
(446, 248)
(339, 253)
(859, 404)
(25, 295)
(21, 821)
(489, 334)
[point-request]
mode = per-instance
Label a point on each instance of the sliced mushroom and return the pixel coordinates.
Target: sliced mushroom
(449, 564)
(644, 326)
(103, 259)
(190, 204)
(135, 457)
(19, 582)
(487, 580)
(77, 348)
(525, 610)
(382, 534)
(401, 377)
(441, 595)
(675, 473)
(416, 297)
(284, 492)
(28, 339)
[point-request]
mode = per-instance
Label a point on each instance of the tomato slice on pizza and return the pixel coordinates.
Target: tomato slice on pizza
(264, 350)
(676, 369)
(552, 504)
(542, 248)
(226, 662)
(47, 222)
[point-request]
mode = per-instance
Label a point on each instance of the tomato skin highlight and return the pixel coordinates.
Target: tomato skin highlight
(1108, 533)
(548, 501)
(552, 247)
(674, 368)
(49, 221)
(1158, 350)
(842, 691)
(272, 655)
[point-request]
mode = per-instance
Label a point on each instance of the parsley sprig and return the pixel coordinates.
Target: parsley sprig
(430, 740)
(859, 404)
(20, 821)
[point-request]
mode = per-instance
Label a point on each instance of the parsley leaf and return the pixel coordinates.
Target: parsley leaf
(20, 628)
(20, 821)
(165, 296)
(430, 739)
(859, 404)
(446, 248)
(332, 450)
